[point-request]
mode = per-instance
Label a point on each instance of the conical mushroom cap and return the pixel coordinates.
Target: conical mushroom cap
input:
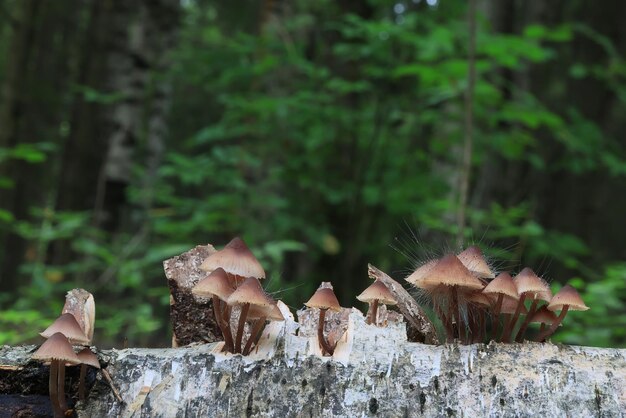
(250, 291)
(417, 277)
(503, 284)
(86, 356)
(235, 258)
(272, 313)
(474, 260)
(543, 316)
(532, 285)
(449, 271)
(567, 296)
(378, 291)
(56, 347)
(66, 324)
(324, 298)
(509, 305)
(479, 299)
(216, 283)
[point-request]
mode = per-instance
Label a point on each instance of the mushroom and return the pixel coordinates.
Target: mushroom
(87, 358)
(218, 286)
(58, 351)
(544, 317)
(260, 315)
(480, 303)
(237, 260)
(81, 305)
(376, 293)
(528, 284)
(443, 280)
(566, 299)
(509, 307)
(67, 325)
(501, 286)
(323, 299)
(248, 293)
(474, 260)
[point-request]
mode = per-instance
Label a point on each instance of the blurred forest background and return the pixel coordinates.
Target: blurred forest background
(328, 134)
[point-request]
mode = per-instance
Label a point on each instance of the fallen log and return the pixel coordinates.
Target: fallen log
(375, 371)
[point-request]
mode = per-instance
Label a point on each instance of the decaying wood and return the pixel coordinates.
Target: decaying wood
(420, 328)
(374, 371)
(192, 320)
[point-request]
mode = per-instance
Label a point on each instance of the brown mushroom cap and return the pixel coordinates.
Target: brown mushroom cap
(544, 316)
(567, 296)
(378, 291)
(509, 305)
(56, 347)
(66, 324)
(418, 276)
(86, 356)
(474, 260)
(272, 313)
(250, 291)
(324, 298)
(528, 282)
(235, 258)
(216, 283)
(449, 271)
(503, 284)
(479, 299)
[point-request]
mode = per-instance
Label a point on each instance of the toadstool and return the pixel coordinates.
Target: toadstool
(323, 299)
(566, 299)
(237, 260)
(376, 293)
(87, 358)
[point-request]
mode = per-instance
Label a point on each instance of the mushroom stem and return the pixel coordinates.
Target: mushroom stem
(508, 330)
(542, 327)
(373, 313)
(496, 316)
(442, 316)
(320, 334)
(218, 312)
(529, 315)
(61, 387)
(548, 333)
(456, 310)
(242, 323)
(81, 382)
(255, 335)
(54, 392)
(507, 321)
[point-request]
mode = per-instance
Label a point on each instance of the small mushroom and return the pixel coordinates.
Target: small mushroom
(445, 279)
(474, 260)
(248, 293)
(528, 285)
(260, 315)
(566, 299)
(237, 260)
(87, 358)
(323, 299)
(544, 317)
(376, 293)
(58, 351)
(478, 304)
(218, 287)
(67, 325)
(500, 287)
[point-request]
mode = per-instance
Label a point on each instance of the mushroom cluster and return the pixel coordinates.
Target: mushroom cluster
(467, 296)
(74, 327)
(233, 284)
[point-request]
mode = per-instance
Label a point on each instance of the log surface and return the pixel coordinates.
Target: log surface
(374, 372)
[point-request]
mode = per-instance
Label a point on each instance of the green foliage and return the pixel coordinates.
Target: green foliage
(314, 140)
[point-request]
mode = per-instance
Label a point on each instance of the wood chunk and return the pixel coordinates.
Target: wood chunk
(192, 318)
(419, 327)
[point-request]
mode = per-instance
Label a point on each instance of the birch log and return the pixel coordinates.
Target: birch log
(374, 372)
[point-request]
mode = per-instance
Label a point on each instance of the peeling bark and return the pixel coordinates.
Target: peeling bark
(374, 371)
